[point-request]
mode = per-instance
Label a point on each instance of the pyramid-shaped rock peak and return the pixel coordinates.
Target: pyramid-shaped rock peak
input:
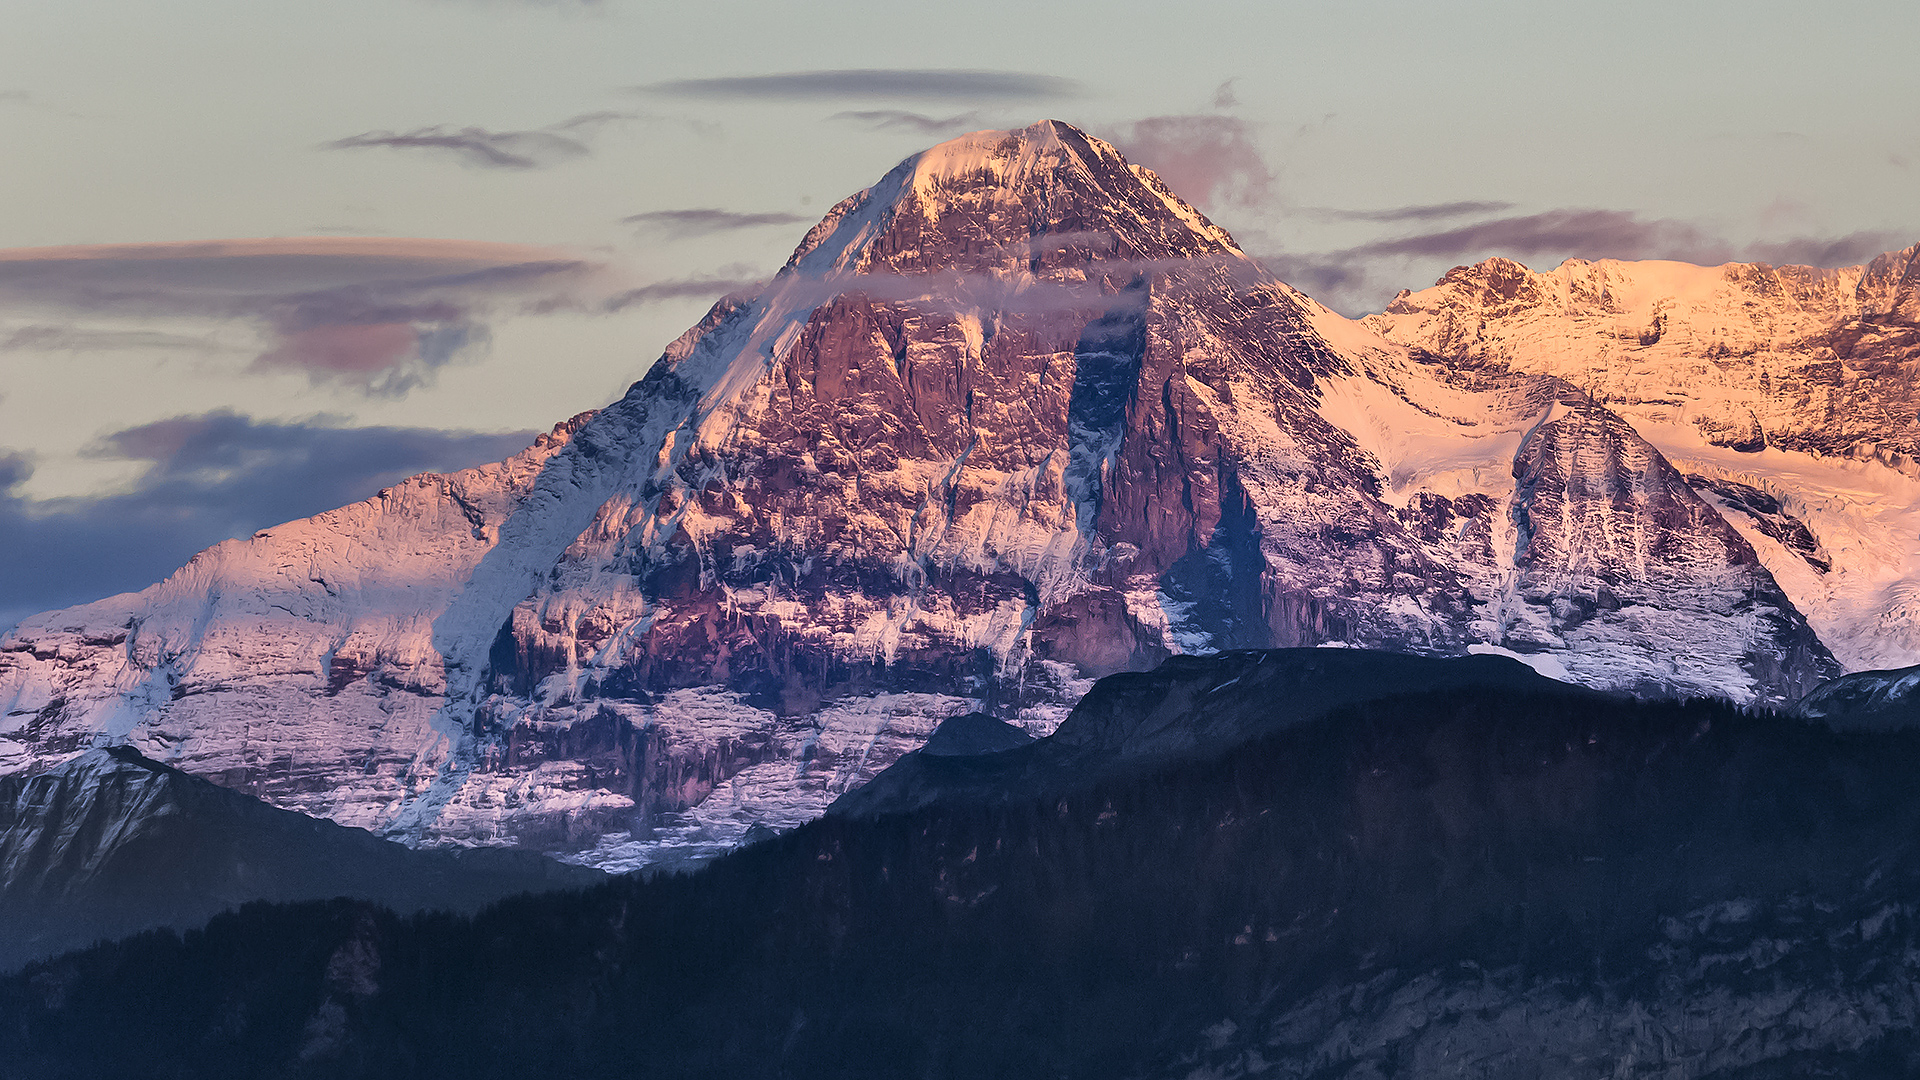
(1013, 418)
(1041, 202)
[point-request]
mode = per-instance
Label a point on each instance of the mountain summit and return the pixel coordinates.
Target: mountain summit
(1013, 418)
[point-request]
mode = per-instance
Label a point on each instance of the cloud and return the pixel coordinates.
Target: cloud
(693, 288)
(560, 5)
(1209, 159)
(42, 337)
(209, 477)
(1419, 212)
(897, 84)
(480, 148)
(1360, 278)
(15, 469)
(1852, 249)
(901, 120)
(375, 315)
(706, 221)
(1592, 234)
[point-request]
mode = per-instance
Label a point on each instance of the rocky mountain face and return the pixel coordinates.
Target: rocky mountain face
(1750, 355)
(1786, 394)
(1013, 418)
(110, 843)
(1866, 701)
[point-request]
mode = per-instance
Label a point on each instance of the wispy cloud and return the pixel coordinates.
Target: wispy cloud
(1594, 234)
(208, 477)
(1359, 278)
(706, 221)
(481, 148)
(1418, 212)
(917, 123)
(896, 84)
(1850, 250)
(690, 288)
(46, 337)
(375, 315)
(1209, 159)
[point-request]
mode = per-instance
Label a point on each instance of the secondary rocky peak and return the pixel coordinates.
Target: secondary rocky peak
(1891, 285)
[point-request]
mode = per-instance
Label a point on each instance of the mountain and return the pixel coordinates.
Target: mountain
(1865, 701)
(1476, 880)
(1190, 708)
(1013, 418)
(111, 843)
(1785, 394)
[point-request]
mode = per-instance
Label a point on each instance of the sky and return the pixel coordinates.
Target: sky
(258, 260)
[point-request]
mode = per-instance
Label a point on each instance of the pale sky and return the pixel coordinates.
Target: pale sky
(619, 164)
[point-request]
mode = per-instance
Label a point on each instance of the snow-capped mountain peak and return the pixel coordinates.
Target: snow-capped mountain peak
(1014, 417)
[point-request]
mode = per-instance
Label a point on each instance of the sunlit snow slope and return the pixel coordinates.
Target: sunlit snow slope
(1787, 394)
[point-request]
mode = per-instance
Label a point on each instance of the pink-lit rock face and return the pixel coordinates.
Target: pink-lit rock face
(1785, 394)
(1750, 355)
(1013, 418)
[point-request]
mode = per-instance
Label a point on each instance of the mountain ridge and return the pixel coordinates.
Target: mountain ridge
(1013, 418)
(111, 843)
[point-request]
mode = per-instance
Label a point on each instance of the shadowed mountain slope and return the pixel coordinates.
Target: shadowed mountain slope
(1190, 708)
(111, 843)
(1476, 881)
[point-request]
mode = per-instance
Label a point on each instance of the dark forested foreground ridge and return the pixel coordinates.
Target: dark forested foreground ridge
(112, 842)
(1469, 881)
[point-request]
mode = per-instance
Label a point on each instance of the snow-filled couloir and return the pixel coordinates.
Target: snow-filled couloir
(1015, 417)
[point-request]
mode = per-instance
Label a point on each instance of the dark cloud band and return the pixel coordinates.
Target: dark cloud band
(695, 288)
(1360, 278)
(706, 221)
(484, 149)
(373, 314)
(1420, 212)
(914, 84)
(902, 120)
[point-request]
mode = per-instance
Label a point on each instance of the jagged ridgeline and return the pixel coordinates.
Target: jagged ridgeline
(1493, 878)
(1013, 418)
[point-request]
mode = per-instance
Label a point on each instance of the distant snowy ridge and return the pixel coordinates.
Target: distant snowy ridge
(1790, 384)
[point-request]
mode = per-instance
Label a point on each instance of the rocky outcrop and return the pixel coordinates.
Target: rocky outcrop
(1866, 701)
